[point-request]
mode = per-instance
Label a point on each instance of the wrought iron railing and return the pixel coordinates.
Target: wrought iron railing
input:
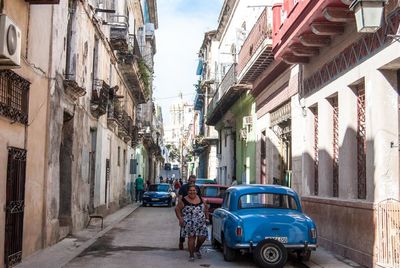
(229, 80)
(14, 97)
(261, 30)
(99, 100)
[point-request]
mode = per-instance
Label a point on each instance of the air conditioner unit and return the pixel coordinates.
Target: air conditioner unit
(10, 43)
(248, 120)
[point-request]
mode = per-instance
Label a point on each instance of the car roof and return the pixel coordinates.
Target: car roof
(214, 185)
(251, 188)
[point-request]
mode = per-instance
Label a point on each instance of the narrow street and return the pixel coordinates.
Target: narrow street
(148, 238)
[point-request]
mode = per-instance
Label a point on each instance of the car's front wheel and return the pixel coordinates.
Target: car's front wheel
(270, 253)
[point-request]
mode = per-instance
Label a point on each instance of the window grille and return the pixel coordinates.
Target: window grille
(14, 92)
(361, 145)
(316, 161)
(335, 180)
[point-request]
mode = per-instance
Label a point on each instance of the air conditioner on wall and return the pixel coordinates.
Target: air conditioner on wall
(10, 43)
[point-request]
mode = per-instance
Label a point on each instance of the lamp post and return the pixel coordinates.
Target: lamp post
(368, 14)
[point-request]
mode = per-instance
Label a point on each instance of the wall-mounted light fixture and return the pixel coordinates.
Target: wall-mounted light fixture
(368, 14)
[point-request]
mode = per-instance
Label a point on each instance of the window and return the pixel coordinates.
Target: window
(119, 156)
(267, 200)
(14, 92)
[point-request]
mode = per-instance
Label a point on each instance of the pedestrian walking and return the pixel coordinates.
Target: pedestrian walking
(193, 216)
(183, 191)
(234, 181)
(177, 186)
(139, 184)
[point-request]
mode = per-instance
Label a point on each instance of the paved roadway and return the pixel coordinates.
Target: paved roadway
(149, 238)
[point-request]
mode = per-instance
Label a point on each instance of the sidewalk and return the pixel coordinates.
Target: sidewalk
(67, 249)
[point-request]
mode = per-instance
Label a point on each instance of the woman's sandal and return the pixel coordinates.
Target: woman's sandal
(191, 259)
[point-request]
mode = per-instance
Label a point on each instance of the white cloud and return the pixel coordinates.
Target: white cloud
(181, 30)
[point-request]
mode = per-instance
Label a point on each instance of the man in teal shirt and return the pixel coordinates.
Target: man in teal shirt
(139, 183)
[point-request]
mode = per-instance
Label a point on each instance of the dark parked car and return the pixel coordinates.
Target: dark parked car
(167, 166)
(213, 194)
(266, 220)
(159, 194)
(201, 181)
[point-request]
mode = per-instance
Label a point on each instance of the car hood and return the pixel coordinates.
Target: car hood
(261, 223)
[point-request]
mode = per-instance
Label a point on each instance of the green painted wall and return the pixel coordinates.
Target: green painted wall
(245, 149)
(142, 160)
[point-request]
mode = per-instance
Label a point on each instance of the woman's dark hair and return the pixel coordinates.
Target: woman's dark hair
(191, 185)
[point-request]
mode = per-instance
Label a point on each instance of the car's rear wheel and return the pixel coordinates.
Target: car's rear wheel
(270, 253)
(229, 253)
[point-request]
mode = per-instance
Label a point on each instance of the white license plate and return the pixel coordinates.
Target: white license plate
(282, 239)
(155, 199)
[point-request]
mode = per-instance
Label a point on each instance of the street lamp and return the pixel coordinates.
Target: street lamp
(368, 14)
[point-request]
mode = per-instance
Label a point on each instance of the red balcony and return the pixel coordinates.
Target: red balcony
(309, 26)
(256, 52)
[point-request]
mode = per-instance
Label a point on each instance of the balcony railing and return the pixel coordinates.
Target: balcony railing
(133, 73)
(99, 100)
(118, 32)
(262, 30)
(114, 113)
(72, 88)
(227, 82)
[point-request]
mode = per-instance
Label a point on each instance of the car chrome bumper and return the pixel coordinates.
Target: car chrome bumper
(288, 246)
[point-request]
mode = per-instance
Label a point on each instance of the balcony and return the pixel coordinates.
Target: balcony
(99, 100)
(125, 123)
(118, 32)
(72, 88)
(228, 93)
(114, 114)
(310, 26)
(135, 75)
(256, 53)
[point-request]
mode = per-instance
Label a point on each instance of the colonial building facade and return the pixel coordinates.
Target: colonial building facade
(72, 136)
(326, 120)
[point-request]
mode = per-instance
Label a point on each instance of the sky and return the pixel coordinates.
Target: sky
(181, 28)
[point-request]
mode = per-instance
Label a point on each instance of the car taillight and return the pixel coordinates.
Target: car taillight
(239, 231)
(313, 233)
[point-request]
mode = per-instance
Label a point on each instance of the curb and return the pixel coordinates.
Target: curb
(45, 258)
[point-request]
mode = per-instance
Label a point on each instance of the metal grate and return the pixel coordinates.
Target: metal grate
(335, 167)
(16, 167)
(388, 219)
(361, 145)
(316, 161)
(14, 92)
(357, 52)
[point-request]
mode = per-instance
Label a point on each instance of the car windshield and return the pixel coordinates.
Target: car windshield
(213, 191)
(267, 200)
(205, 181)
(158, 188)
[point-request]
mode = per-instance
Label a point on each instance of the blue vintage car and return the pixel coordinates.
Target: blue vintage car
(159, 194)
(266, 220)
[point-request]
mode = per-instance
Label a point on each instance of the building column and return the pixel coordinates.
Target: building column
(347, 144)
(382, 131)
(325, 137)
